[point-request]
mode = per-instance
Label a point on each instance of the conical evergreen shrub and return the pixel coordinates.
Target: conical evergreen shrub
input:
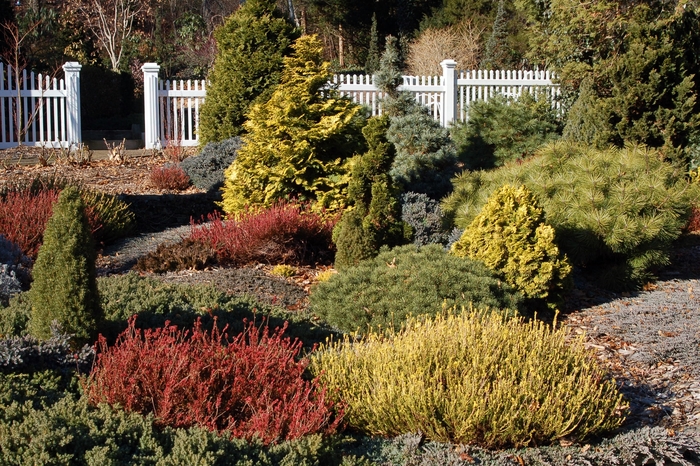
(65, 286)
(374, 217)
(425, 155)
(298, 142)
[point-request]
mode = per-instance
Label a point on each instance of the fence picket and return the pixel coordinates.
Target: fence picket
(177, 107)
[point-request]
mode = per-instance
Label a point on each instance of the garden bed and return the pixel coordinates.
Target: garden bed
(649, 340)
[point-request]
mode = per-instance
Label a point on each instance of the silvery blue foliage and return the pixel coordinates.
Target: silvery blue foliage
(206, 170)
(28, 353)
(14, 271)
(425, 217)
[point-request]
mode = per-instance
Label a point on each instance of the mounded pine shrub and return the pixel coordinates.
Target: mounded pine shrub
(615, 212)
(511, 237)
(407, 281)
(298, 142)
(284, 233)
(65, 284)
(502, 130)
(250, 385)
(468, 378)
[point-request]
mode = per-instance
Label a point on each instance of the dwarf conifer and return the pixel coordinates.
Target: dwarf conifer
(65, 284)
(298, 142)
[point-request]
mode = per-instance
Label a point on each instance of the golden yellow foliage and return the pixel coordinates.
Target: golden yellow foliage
(471, 378)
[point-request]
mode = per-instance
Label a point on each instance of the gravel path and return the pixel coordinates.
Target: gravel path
(651, 341)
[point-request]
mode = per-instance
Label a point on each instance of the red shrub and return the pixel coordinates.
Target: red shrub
(251, 387)
(283, 234)
(23, 217)
(170, 177)
(694, 221)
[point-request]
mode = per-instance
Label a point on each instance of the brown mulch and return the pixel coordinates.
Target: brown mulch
(664, 393)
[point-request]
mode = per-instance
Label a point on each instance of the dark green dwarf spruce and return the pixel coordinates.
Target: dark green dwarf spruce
(65, 285)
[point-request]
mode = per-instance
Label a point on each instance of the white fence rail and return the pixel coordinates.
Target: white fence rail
(37, 110)
(172, 108)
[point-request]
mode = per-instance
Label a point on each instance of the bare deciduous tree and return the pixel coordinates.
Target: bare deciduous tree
(111, 22)
(15, 40)
(461, 43)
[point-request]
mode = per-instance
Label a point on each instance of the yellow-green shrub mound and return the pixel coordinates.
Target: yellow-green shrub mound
(511, 237)
(474, 379)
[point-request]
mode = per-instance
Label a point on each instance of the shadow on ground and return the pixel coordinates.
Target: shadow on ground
(158, 212)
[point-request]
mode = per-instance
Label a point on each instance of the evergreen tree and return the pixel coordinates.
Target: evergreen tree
(425, 155)
(65, 283)
(251, 46)
(373, 217)
(372, 63)
(495, 52)
(299, 141)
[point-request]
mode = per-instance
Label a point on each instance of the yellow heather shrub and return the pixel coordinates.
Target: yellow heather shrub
(511, 237)
(471, 378)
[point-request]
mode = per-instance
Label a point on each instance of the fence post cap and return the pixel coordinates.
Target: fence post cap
(449, 63)
(72, 66)
(150, 67)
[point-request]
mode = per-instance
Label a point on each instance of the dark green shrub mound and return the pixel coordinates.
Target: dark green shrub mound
(374, 217)
(502, 130)
(65, 285)
(206, 170)
(188, 254)
(616, 212)
(406, 281)
(63, 429)
(425, 217)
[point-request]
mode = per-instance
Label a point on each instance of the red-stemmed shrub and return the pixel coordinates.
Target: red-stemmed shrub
(694, 221)
(171, 177)
(250, 385)
(286, 233)
(24, 213)
(23, 217)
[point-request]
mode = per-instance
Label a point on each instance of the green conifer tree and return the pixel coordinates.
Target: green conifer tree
(299, 141)
(495, 51)
(372, 63)
(374, 216)
(65, 285)
(251, 46)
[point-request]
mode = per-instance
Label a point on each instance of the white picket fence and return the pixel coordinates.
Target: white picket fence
(37, 110)
(172, 107)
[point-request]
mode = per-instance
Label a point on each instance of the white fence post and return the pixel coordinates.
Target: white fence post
(151, 107)
(73, 121)
(449, 103)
